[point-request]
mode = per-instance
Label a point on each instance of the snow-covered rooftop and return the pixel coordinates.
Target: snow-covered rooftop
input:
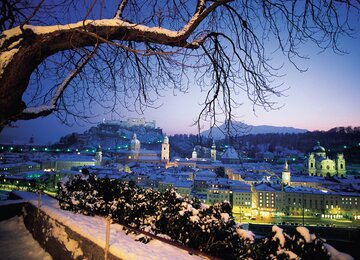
(230, 153)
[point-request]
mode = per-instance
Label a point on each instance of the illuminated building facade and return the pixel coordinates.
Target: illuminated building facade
(319, 164)
(267, 200)
(217, 195)
(14, 168)
(242, 201)
(321, 202)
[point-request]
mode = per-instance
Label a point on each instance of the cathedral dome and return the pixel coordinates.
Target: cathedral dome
(318, 148)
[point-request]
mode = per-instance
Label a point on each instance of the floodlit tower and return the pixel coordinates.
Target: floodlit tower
(194, 154)
(213, 151)
(340, 165)
(135, 144)
(311, 165)
(286, 174)
(165, 149)
(98, 155)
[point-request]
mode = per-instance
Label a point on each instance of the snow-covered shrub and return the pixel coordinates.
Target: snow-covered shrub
(188, 221)
(79, 194)
(307, 245)
(280, 245)
(211, 229)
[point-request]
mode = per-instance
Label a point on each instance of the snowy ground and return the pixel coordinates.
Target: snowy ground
(16, 242)
(4, 195)
(121, 245)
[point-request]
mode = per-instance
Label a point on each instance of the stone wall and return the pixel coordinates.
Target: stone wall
(57, 239)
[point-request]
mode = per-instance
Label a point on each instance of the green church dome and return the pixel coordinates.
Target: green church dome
(318, 148)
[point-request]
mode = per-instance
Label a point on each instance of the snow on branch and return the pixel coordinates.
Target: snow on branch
(120, 9)
(141, 32)
(200, 14)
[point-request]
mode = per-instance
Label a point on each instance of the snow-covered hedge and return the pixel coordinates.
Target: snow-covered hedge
(211, 229)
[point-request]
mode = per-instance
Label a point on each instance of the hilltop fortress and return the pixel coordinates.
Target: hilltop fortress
(130, 122)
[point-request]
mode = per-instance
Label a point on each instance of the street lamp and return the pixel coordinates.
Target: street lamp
(303, 208)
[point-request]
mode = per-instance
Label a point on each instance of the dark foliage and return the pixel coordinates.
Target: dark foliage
(210, 229)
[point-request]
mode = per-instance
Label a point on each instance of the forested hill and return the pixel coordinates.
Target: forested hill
(339, 139)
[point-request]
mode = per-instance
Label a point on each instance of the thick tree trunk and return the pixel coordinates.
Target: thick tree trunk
(36, 45)
(16, 75)
(33, 44)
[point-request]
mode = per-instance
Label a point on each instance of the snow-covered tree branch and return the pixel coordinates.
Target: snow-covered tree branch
(145, 47)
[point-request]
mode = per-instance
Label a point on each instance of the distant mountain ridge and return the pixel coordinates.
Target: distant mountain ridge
(240, 129)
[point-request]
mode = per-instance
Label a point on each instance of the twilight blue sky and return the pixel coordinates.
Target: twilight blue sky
(326, 96)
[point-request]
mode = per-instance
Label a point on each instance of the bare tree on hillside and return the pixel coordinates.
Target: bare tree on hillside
(67, 57)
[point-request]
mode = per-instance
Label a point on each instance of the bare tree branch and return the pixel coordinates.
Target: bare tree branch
(34, 112)
(120, 9)
(32, 15)
(149, 47)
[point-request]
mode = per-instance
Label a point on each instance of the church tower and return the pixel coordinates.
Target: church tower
(213, 151)
(286, 174)
(311, 165)
(340, 165)
(165, 149)
(135, 144)
(98, 155)
(194, 154)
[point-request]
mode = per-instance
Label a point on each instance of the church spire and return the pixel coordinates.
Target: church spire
(165, 149)
(286, 166)
(194, 154)
(286, 174)
(213, 151)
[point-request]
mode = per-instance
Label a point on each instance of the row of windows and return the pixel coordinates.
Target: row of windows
(349, 199)
(267, 205)
(242, 198)
(218, 195)
(219, 192)
(266, 194)
(237, 202)
(267, 201)
(5, 169)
